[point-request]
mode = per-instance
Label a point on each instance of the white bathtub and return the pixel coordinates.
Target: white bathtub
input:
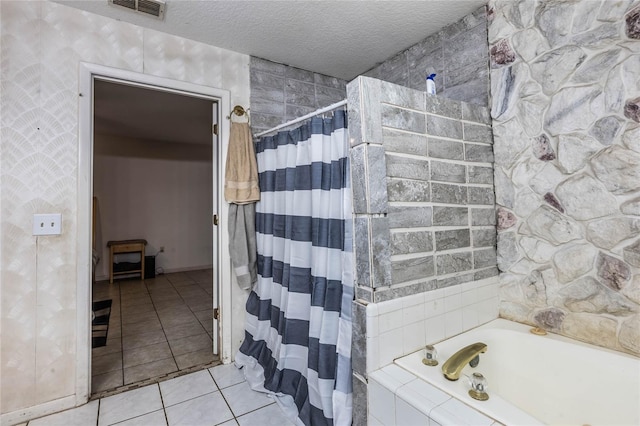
(540, 379)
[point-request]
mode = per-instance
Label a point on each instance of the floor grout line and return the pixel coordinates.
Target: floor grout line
(115, 292)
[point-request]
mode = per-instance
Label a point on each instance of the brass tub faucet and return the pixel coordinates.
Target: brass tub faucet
(467, 355)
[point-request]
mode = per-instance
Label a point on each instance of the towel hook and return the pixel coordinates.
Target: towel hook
(239, 111)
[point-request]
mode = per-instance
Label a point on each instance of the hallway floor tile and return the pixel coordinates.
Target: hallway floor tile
(214, 396)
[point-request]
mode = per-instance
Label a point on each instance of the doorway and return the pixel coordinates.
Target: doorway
(132, 177)
(153, 183)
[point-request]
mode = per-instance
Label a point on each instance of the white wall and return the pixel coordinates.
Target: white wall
(166, 199)
(42, 46)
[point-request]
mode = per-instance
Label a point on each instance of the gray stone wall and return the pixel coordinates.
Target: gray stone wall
(458, 54)
(565, 84)
(280, 93)
(423, 200)
(422, 176)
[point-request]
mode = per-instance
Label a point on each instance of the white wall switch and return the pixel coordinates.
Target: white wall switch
(47, 224)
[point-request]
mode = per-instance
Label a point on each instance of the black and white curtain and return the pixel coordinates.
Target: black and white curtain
(297, 343)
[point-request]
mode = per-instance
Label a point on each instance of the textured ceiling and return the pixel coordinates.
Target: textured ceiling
(337, 38)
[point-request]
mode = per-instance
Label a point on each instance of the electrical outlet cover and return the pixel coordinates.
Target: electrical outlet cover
(47, 224)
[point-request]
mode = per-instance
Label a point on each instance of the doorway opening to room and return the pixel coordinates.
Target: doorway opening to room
(154, 198)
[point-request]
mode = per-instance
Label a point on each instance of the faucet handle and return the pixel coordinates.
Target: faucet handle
(478, 387)
(430, 356)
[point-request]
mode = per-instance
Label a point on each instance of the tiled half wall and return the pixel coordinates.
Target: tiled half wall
(424, 223)
(423, 198)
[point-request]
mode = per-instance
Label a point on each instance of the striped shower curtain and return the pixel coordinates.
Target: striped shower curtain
(297, 343)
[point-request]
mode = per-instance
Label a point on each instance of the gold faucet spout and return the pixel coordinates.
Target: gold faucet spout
(454, 365)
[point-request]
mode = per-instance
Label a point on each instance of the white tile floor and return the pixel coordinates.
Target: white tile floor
(216, 396)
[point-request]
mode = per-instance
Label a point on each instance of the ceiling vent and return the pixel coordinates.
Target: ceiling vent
(154, 8)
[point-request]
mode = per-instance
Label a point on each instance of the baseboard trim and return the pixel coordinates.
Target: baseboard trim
(101, 278)
(40, 410)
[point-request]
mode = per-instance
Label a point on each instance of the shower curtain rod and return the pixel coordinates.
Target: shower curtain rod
(304, 117)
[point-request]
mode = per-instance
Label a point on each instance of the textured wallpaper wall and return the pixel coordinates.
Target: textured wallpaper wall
(42, 45)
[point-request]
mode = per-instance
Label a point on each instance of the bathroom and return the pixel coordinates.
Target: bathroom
(565, 178)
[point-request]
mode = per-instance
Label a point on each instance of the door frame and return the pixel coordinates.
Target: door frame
(222, 274)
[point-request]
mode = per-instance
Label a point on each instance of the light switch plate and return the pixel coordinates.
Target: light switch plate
(47, 224)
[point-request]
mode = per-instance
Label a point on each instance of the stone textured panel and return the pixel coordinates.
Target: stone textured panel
(478, 153)
(405, 143)
(450, 216)
(479, 174)
(359, 178)
(618, 169)
(444, 127)
(407, 167)
(407, 190)
(453, 239)
(448, 172)
(481, 195)
(362, 251)
(449, 194)
(484, 237)
(409, 217)
(483, 217)
(454, 262)
(411, 242)
(440, 148)
(380, 251)
(412, 269)
(585, 198)
(377, 178)
(402, 119)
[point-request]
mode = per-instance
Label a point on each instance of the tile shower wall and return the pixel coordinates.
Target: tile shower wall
(280, 93)
(458, 54)
(565, 84)
(42, 44)
(422, 178)
(424, 222)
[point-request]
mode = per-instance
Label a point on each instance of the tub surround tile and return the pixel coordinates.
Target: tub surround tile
(381, 402)
(408, 415)
(454, 412)
(404, 325)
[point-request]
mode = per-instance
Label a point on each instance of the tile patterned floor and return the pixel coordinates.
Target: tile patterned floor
(214, 396)
(157, 327)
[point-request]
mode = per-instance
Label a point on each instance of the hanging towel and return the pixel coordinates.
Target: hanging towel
(242, 243)
(241, 176)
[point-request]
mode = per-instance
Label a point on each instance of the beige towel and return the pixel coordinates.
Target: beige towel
(241, 177)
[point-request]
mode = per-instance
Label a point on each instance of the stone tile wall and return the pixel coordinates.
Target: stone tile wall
(422, 179)
(565, 84)
(280, 93)
(424, 215)
(458, 54)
